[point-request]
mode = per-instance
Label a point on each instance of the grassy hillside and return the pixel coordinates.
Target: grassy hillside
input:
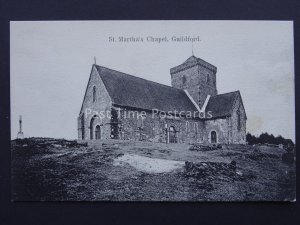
(58, 170)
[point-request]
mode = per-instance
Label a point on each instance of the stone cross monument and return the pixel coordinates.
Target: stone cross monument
(20, 133)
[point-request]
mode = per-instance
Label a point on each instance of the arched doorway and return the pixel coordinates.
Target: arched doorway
(97, 132)
(172, 135)
(213, 137)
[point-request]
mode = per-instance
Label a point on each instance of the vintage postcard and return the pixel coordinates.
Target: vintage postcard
(152, 111)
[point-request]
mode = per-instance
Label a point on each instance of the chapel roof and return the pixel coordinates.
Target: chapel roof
(221, 105)
(193, 61)
(131, 91)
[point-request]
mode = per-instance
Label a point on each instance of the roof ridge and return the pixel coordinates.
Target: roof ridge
(192, 61)
(138, 77)
(200, 59)
(136, 92)
(231, 92)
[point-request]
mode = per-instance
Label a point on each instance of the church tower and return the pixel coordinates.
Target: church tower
(197, 77)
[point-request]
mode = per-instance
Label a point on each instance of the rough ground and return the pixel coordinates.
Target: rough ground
(59, 170)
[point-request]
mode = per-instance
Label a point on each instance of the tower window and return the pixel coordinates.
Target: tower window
(183, 79)
(207, 78)
(94, 93)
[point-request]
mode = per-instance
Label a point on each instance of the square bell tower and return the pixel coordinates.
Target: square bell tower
(197, 77)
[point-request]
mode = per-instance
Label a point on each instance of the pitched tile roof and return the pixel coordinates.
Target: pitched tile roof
(222, 105)
(193, 61)
(130, 91)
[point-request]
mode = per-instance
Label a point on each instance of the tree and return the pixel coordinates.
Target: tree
(265, 138)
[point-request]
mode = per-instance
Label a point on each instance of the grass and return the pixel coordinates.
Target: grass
(61, 170)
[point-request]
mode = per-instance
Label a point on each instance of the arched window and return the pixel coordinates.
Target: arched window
(140, 126)
(140, 121)
(187, 126)
(196, 129)
(207, 78)
(213, 137)
(94, 93)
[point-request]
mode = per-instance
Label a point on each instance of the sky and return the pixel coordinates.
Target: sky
(51, 62)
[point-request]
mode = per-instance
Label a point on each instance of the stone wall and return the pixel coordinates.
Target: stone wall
(228, 130)
(238, 133)
(156, 129)
(132, 126)
(222, 128)
(92, 109)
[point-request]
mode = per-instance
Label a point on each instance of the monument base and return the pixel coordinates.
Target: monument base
(20, 135)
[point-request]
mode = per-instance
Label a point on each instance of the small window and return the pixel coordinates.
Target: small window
(196, 127)
(94, 93)
(187, 126)
(213, 137)
(183, 79)
(207, 78)
(141, 120)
